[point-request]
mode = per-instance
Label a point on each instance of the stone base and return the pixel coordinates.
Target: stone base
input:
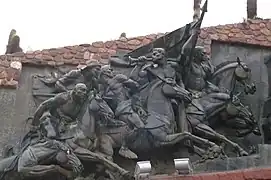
(166, 168)
(261, 159)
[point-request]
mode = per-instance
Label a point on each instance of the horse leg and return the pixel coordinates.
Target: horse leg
(199, 151)
(179, 137)
(134, 119)
(87, 155)
(172, 139)
(209, 133)
(106, 146)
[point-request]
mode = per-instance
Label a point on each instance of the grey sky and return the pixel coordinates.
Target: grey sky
(54, 23)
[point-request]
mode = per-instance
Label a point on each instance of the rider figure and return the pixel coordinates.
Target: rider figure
(87, 74)
(105, 75)
(65, 106)
(117, 92)
(201, 70)
(159, 68)
(156, 71)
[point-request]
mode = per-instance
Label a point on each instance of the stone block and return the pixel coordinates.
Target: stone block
(264, 154)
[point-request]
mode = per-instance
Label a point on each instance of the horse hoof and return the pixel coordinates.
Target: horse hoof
(243, 153)
(127, 153)
(214, 152)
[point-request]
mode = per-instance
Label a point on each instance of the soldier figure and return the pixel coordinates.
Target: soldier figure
(87, 74)
(201, 70)
(117, 92)
(64, 106)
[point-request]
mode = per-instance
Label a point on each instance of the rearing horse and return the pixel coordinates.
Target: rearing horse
(207, 110)
(228, 75)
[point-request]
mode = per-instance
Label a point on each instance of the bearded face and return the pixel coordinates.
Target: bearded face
(200, 54)
(79, 92)
(92, 72)
(96, 71)
(106, 74)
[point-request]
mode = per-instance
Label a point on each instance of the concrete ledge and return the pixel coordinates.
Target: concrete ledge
(248, 174)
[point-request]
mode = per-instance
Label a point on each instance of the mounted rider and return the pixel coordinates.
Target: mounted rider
(199, 69)
(87, 74)
(154, 71)
(106, 75)
(118, 92)
(196, 73)
(149, 70)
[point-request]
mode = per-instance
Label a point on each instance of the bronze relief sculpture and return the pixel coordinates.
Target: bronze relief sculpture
(174, 96)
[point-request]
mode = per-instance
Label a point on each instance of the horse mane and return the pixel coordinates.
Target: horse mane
(223, 64)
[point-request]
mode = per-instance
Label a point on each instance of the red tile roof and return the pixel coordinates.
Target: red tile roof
(255, 32)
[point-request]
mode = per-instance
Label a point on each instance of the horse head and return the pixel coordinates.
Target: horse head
(49, 126)
(240, 117)
(243, 75)
(101, 109)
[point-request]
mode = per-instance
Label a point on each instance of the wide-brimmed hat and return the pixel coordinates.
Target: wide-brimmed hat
(89, 65)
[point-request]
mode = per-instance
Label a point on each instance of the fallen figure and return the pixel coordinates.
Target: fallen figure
(48, 156)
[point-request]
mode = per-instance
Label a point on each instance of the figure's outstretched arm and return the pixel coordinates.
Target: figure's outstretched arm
(69, 77)
(209, 69)
(187, 47)
(176, 92)
(53, 102)
(87, 155)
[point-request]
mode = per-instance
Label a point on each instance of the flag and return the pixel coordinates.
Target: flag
(172, 42)
(169, 42)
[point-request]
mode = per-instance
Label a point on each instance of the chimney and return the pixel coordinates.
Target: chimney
(251, 9)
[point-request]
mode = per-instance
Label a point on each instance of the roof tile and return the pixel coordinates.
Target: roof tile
(255, 32)
(98, 44)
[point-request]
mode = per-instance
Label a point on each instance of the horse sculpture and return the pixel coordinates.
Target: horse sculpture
(160, 125)
(231, 113)
(205, 112)
(159, 130)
